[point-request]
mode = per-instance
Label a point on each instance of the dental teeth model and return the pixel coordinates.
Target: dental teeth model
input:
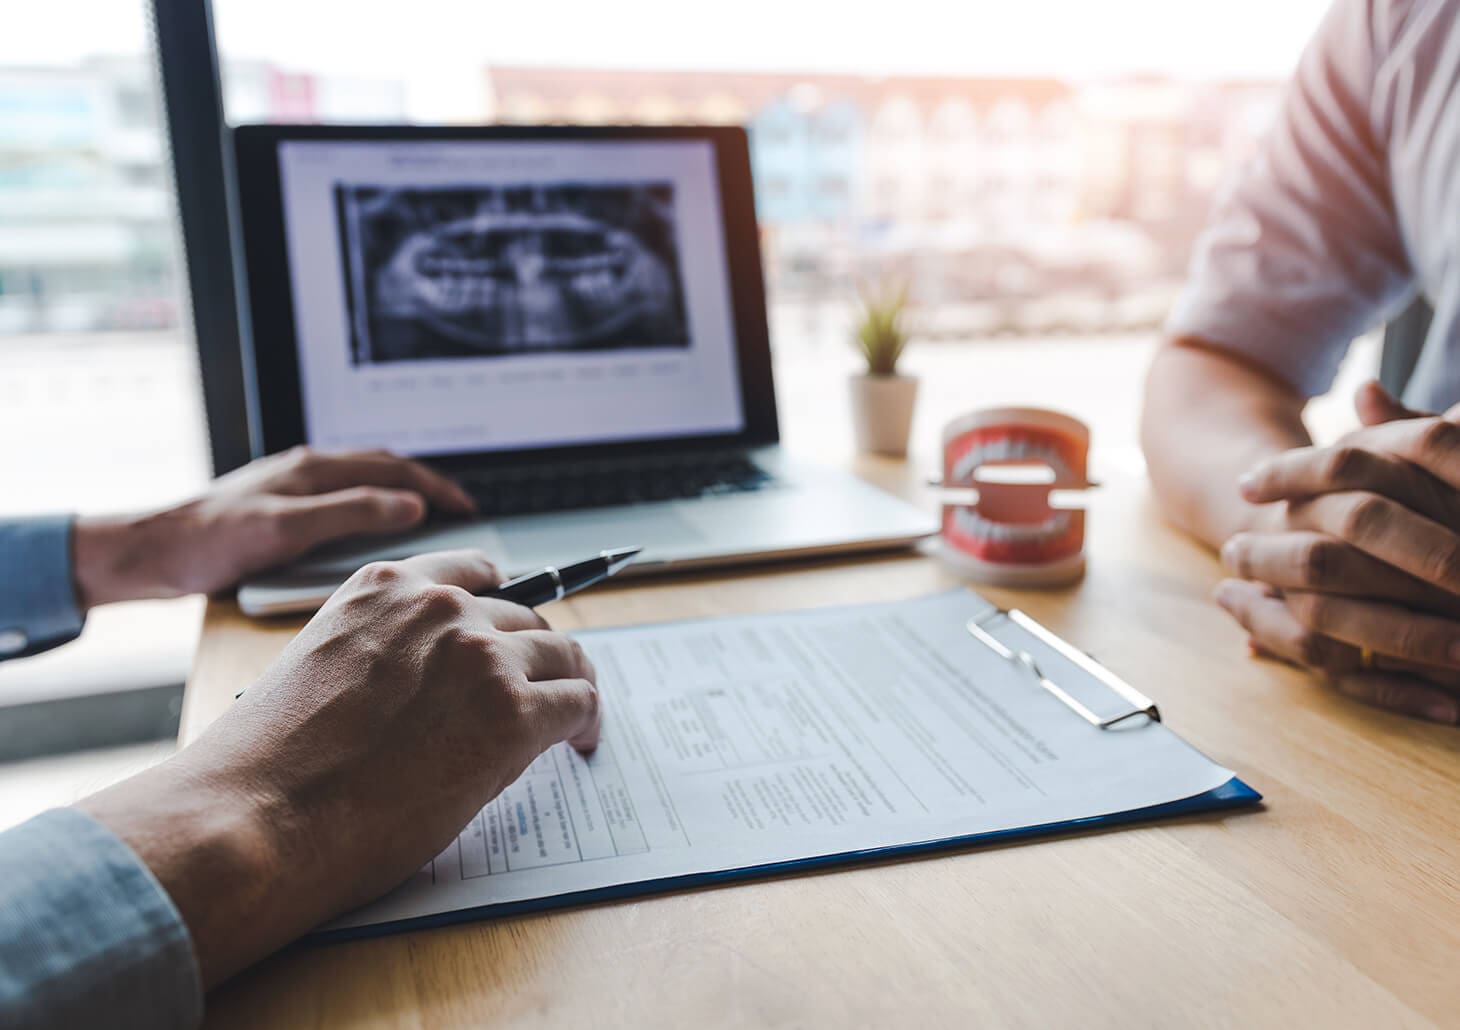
(1004, 463)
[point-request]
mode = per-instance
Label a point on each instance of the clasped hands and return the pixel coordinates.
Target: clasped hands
(1351, 564)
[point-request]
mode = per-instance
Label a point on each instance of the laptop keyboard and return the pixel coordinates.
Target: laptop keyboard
(598, 484)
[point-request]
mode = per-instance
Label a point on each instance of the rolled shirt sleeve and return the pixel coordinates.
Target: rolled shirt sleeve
(88, 937)
(38, 607)
(1304, 250)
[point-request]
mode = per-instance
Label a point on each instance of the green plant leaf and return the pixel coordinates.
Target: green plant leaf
(880, 333)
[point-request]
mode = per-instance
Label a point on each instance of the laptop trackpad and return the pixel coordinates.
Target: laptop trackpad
(568, 536)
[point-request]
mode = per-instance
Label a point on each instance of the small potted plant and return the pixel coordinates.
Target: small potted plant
(882, 400)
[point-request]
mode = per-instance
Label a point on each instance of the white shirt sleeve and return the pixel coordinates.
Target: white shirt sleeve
(1303, 252)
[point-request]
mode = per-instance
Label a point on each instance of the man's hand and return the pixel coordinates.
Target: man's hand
(264, 514)
(402, 707)
(1354, 552)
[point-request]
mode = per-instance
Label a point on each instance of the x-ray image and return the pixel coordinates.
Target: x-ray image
(485, 271)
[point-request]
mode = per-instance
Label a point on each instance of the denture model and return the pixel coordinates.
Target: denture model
(1000, 467)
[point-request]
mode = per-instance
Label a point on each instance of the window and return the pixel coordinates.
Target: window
(911, 114)
(99, 397)
(832, 187)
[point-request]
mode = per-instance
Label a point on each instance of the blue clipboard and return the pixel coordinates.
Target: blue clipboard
(1057, 653)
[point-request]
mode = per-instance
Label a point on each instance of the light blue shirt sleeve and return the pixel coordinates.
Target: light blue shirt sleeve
(37, 593)
(87, 936)
(1304, 251)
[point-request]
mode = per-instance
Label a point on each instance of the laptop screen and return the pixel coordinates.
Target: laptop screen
(459, 296)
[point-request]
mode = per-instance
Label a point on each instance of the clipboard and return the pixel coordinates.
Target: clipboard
(1085, 688)
(1138, 704)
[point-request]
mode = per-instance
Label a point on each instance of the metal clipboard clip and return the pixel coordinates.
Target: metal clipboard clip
(1140, 704)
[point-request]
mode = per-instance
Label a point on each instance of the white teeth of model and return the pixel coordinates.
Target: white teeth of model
(969, 523)
(975, 525)
(1010, 450)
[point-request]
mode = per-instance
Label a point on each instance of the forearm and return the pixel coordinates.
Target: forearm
(218, 847)
(1208, 419)
(129, 557)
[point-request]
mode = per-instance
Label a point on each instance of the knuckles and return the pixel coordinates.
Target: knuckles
(1313, 611)
(1235, 555)
(579, 658)
(1367, 516)
(1346, 464)
(379, 574)
(476, 646)
(440, 603)
(1412, 640)
(1319, 562)
(511, 699)
(302, 456)
(1438, 438)
(1386, 693)
(1313, 650)
(1442, 567)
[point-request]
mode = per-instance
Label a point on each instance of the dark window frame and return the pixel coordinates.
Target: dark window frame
(185, 53)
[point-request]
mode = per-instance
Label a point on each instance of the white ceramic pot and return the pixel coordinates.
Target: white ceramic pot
(882, 411)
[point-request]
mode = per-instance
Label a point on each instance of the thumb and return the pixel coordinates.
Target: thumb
(1376, 405)
(306, 522)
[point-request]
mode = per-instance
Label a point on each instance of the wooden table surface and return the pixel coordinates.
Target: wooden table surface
(1335, 904)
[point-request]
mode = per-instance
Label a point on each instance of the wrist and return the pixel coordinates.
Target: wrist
(122, 558)
(214, 850)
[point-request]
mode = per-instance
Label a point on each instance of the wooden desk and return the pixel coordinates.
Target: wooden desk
(1338, 904)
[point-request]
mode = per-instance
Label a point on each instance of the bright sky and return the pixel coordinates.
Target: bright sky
(431, 42)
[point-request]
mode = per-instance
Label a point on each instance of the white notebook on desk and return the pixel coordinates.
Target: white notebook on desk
(744, 746)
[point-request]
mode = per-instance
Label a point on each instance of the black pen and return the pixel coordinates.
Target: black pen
(553, 583)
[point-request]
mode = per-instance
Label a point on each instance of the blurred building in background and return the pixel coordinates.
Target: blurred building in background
(1010, 205)
(85, 217)
(86, 221)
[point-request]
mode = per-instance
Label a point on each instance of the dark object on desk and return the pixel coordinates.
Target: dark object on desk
(660, 477)
(553, 584)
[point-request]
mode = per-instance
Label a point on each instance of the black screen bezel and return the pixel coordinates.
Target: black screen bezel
(271, 302)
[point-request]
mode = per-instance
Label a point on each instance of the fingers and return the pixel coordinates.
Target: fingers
(546, 655)
(1414, 461)
(317, 472)
(566, 709)
(1385, 629)
(1276, 632)
(1309, 471)
(473, 571)
(509, 617)
(1306, 560)
(1386, 530)
(306, 522)
(1376, 405)
(1431, 443)
(1404, 694)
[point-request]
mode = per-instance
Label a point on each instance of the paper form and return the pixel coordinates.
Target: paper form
(738, 742)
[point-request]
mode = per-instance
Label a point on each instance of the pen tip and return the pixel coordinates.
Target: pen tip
(618, 557)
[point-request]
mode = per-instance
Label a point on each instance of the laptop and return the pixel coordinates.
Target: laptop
(568, 321)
